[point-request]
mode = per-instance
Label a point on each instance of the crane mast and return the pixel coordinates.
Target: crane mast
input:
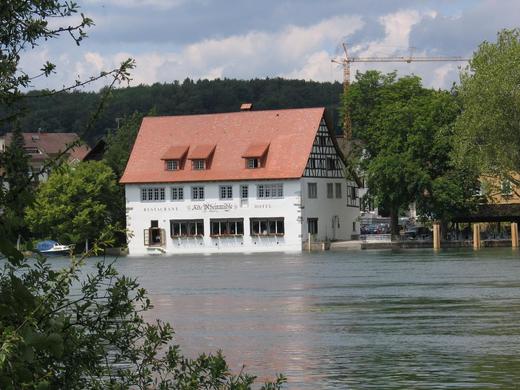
(347, 60)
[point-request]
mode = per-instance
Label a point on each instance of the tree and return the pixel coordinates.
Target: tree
(403, 134)
(117, 152)
(68, 112)
(76, 204)
(488, 130)
(61, 330)
(16, 194)
(119, 143)
(25, 23)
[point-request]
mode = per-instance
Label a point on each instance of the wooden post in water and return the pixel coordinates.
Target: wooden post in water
(514, 235)
(436, 236)
(476, 236)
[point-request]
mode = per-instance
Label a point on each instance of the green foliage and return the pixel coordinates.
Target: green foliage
(68, 112)
(18, 192)
(62, 329)
(120, 142)
(76, 203)
(24, 24)
(488, 130)
(404, 137)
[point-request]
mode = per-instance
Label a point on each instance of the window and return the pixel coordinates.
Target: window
(253, 163)
(172, 165)
(352, 196)
(154, 236)
(330, 190)
(269, 191)
(331, 163)
(312, 190)
(197, 193)
(177, 193)
(267, 226)
(507, 189)
(312, 225)
(31, 150)
(226, 192)
(338, 191)
(186, 227)
(152, 194)
(198, 165)
(227, 227)
(244, 192)
(353, 192)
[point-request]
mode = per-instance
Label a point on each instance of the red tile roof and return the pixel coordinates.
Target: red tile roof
(175, 153)
(201, 152)
(289, 134)
(50, 144)
(256, 150)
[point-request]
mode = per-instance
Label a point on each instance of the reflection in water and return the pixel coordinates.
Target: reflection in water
(367, 319)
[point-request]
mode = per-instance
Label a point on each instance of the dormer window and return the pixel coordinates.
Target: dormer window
(198, 165)
(172, 165)
(255, 155)
(175, 157)
(31, 150)
(201, 156)
(253, 163)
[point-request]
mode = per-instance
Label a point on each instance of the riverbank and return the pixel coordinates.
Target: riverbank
(412, 244)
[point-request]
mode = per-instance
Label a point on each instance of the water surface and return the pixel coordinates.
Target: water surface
(357, 319)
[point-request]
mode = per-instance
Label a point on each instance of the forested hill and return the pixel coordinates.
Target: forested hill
(69, 112)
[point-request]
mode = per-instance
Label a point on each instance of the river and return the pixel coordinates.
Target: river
(340, 320)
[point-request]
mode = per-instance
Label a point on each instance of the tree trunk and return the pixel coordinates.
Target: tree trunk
(394, 224)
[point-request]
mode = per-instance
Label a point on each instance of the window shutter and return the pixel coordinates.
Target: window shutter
(146, 237)
(163, 237)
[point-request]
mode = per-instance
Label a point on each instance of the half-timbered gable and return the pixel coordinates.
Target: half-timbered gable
(324, 160)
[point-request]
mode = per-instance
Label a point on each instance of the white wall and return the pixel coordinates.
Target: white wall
(139, 215)
(325, 209)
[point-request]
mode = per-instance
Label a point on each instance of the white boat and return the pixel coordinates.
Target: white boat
(50, 247)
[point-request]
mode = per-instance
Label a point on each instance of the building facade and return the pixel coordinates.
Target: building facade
(254, 181)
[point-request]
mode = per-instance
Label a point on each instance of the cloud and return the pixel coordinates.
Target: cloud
(397, 28)
(317, 67)
(172, 40)
(255, 54)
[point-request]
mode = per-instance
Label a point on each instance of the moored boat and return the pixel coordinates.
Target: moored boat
(50, 247)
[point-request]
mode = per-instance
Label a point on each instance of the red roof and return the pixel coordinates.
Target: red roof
(201, 152)
(256, 150)
(289, 134)
(50, 144)
(175, 153)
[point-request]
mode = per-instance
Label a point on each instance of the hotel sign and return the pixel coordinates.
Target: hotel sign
(212, 207)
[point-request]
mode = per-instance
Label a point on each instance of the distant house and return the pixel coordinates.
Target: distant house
(249, 181)
(42, 146)
(97, 152)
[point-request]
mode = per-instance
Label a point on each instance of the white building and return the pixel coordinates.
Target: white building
(249, 181)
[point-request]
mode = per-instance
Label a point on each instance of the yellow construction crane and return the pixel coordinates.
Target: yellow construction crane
(347, 60)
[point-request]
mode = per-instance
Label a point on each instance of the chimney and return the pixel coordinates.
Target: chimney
(246, 107)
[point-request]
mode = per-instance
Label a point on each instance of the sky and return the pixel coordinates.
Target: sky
(243, 39)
